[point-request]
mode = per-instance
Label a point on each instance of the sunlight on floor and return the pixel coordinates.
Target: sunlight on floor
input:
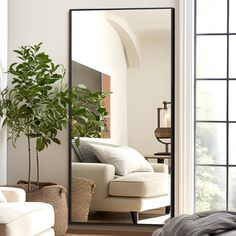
(155, 220)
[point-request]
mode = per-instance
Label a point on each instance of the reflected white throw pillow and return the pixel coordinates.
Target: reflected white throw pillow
(123, 158)
(2, 198)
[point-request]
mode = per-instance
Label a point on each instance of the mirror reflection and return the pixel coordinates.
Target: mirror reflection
(86, 77)
(124, 175)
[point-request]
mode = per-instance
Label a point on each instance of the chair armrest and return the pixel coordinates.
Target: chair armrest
(102, 174)
(157, 167)
(96, 171)
(13, 194)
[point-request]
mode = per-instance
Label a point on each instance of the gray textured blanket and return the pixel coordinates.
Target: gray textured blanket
(199, 224)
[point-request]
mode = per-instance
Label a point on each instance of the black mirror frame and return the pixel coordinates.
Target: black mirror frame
(172, 171)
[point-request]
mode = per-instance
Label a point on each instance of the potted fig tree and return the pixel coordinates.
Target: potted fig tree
(35, 105)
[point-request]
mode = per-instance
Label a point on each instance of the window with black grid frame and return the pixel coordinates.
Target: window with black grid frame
(215, 105)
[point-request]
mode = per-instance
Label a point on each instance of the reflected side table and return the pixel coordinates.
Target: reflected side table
(160, 157)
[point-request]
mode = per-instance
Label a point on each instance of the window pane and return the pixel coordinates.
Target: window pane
(211, 16)
(211, 56)
(232, 56)
(210, 143)
(211, 100)
(210, 188)
(232, 146)
(232, 189)
(232, 16)
(232, 99)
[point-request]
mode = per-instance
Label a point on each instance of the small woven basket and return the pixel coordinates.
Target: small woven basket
(82, 192)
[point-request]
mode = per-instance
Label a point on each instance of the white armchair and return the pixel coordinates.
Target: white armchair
(18, 217)
(134, 193)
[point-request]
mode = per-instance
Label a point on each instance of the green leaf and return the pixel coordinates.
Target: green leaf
(42, 58)
(56, 140)
(37, 47)
(102, 110)
(73, 132)
(77, 141)
(4, 122)
(40, 145)
(18, 52)
(56, 76)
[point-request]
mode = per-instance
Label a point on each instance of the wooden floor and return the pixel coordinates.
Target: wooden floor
(86, 235)
(83, 235)
(114, 233)
(118, 231)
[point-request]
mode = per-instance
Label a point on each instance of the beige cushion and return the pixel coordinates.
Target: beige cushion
(13, 194)
(25, 218)
(125, 159)
(2, 198)
(140, 184)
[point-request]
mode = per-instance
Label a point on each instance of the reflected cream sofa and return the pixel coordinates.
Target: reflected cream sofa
(20, 218)
(134, 192)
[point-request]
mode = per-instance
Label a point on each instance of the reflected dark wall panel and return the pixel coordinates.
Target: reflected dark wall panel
(86, 76)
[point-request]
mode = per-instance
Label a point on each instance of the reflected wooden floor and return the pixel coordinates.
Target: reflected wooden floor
(156, 216)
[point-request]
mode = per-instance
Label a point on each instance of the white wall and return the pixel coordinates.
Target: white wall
(3, 83)
(32, 21)
(97, 45)
(148, 87)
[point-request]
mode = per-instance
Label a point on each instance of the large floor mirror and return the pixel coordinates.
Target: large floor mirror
(126, 174)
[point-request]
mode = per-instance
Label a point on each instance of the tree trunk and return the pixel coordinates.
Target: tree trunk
(29, 169)
(37, 166)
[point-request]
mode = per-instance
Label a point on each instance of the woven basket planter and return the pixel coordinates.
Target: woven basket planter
(56, 196)
(82, 192)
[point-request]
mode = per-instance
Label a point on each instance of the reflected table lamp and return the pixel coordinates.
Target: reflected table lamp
(163, 130)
